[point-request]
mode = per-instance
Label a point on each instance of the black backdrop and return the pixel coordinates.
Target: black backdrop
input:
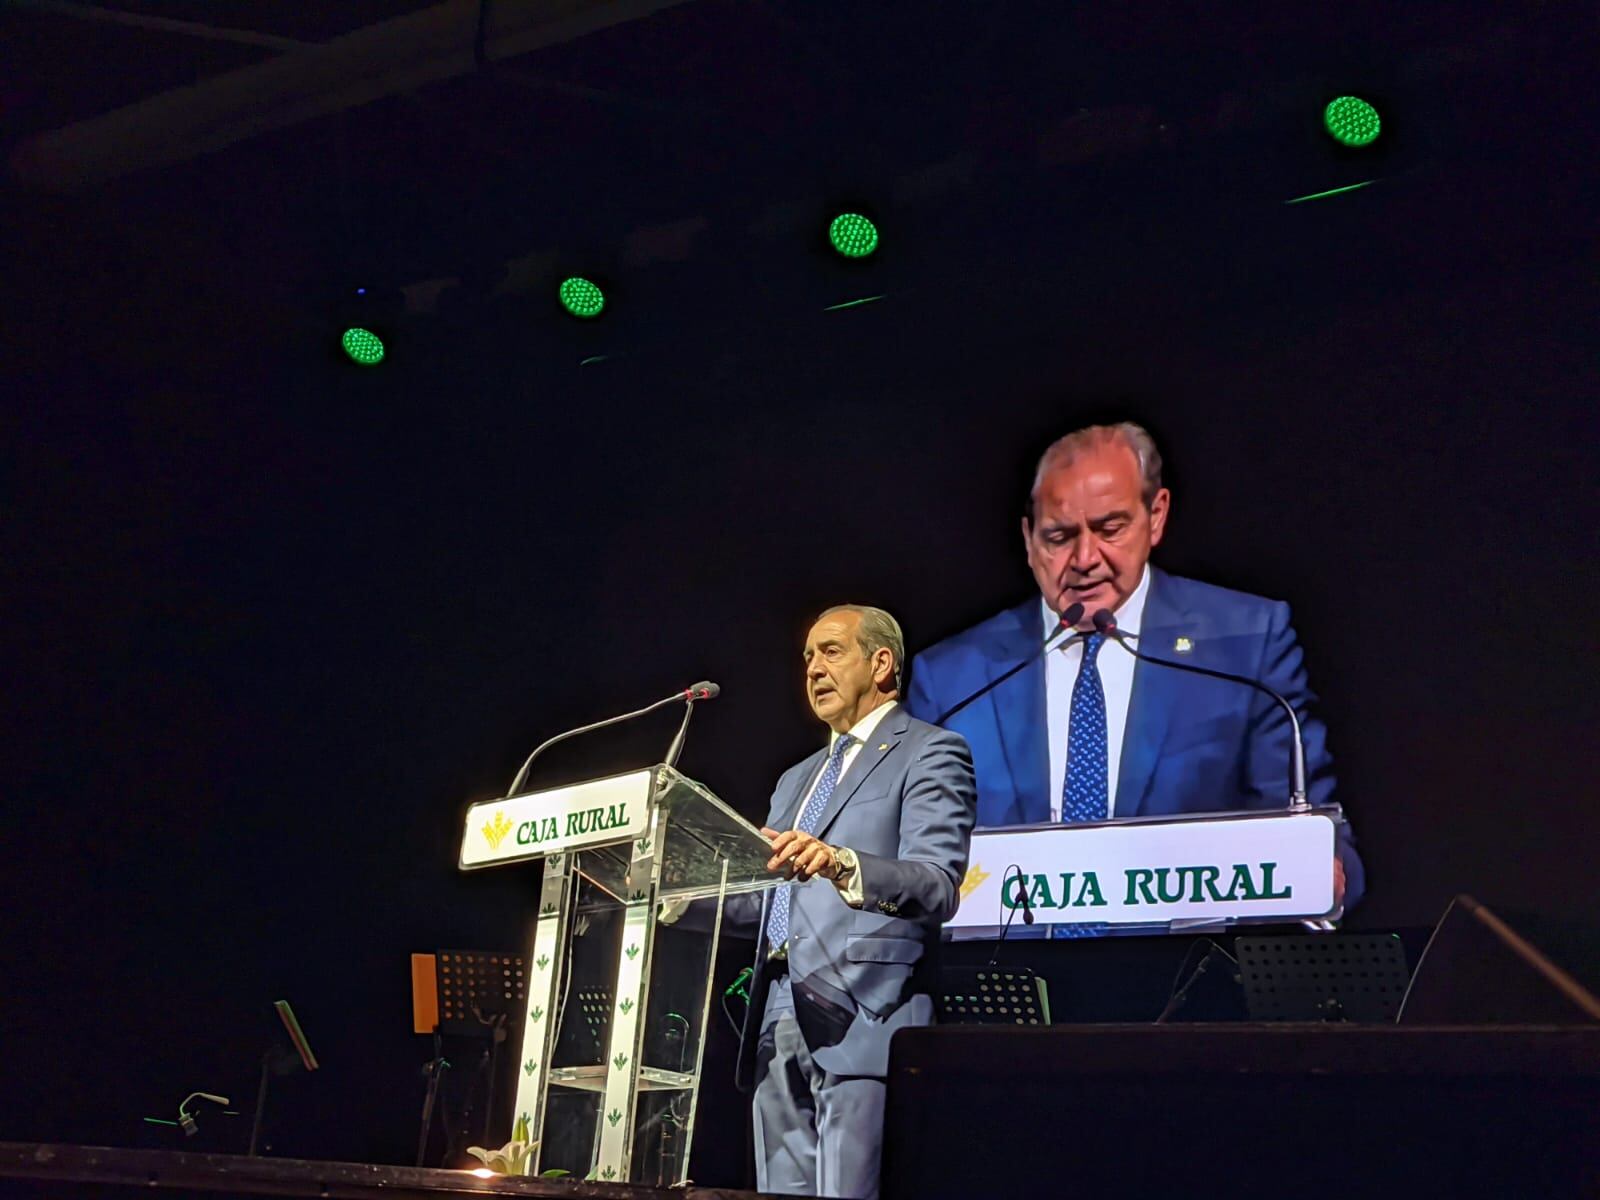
(272, 621)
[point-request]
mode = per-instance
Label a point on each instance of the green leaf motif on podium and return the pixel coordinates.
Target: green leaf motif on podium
(609, 1173)
(549, 910)
(632, 952)
(536, 1015)
(542, 961)
(642, 845)
(636, 897)
(620, 1061)
(626, 1006)
(614, 1116)
(529, 1067)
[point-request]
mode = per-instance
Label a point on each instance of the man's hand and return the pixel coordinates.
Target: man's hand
(800, 855)
(1338, 881)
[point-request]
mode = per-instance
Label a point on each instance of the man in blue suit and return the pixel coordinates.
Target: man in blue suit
(1090, 733)
(874, 829)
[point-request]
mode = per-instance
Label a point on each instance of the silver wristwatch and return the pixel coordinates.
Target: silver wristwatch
(847, 865)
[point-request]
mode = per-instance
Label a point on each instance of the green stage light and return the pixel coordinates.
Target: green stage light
(582, 298)
(853, 235)
(1351, 121)
(363, 346)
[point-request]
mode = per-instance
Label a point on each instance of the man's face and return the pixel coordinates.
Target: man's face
(1091, 534)
(842, 682)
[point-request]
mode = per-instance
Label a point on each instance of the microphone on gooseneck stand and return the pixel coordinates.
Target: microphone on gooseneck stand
(1024, 903)
(1106, 624)
(1069, 618)
(704, 690)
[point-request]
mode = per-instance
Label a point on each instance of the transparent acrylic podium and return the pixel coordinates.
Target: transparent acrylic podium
(618, 1001)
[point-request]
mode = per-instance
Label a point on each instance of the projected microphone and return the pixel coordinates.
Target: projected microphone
(704, 690)
(1106, 624)
(1022, 894)
(1069, 618)
(1026, 905)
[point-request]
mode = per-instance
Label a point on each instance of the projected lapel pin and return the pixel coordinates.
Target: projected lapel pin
(1182, 646)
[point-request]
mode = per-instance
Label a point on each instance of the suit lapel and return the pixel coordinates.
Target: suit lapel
(874, 750)
(1154, 698)
(1021, 714)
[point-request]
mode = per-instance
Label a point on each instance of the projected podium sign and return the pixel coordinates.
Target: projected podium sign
(1211, 868)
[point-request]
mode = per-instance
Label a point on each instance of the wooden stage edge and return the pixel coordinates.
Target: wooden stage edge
(109, 1166)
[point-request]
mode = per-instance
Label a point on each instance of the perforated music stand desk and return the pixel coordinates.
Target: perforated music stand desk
(1323, 977)
(993, 996)
(459, 992)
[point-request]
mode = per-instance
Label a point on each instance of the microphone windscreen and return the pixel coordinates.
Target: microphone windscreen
(706, 690)
(1104, 621)
(1072, 615)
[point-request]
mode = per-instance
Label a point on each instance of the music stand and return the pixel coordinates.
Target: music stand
(595, 1005)
(280, 1060)
(1477, 970)
(474, 987)
(464, 993)
(993, 996)
(1322, 977)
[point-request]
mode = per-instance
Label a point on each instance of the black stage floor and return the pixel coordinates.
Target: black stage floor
(48, 1170)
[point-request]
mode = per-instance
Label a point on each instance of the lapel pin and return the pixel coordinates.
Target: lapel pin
(1182, 646)
(883, 745)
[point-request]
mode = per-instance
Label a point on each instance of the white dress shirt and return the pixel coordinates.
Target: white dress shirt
(861, 731)
(1116, 679)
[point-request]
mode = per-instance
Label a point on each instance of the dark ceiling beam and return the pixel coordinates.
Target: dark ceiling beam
(195, 29)
(388, 58)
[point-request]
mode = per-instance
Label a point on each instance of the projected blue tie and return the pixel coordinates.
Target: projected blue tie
(1084, 796)
(1084, 792)
(778, 921)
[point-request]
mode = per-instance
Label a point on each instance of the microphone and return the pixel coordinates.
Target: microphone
(1106, 624)
(704, 690)
(737, 988)
(1027, 907)
(1069, 618)
(186, 1119)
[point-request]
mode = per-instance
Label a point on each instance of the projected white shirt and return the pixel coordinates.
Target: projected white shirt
(1116, 678)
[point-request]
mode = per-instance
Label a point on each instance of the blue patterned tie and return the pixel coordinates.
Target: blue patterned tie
(1084, 792)
(778, 921)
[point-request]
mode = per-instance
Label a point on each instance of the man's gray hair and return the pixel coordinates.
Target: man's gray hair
(878, 631)
(1136, 438)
